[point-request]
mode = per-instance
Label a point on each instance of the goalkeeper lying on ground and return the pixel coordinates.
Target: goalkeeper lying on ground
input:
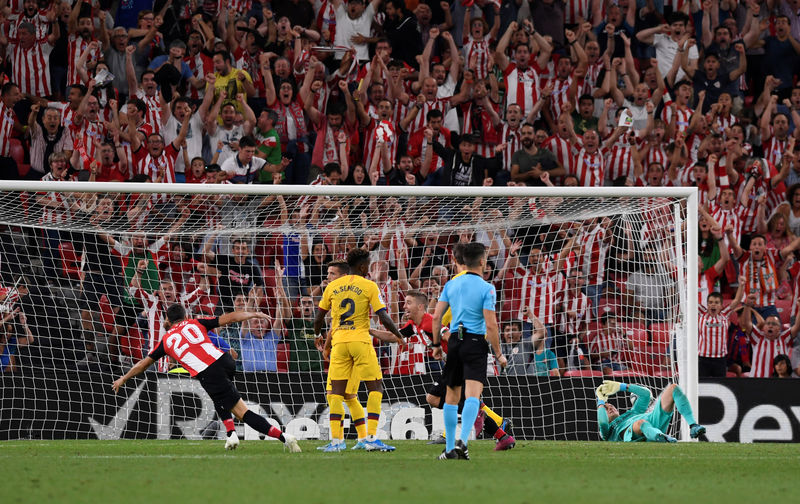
(639, 424)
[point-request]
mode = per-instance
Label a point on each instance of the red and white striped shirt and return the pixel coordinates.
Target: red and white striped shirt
(576, 11)
(588, 167)
(713, 333)
(200, 64)
(725, 217)
(655, 154)
(762, 276)
(606, 342)
(765, 350)
(683, 116)
(85, 135)
(371, 143)
(707, 280)
(39, 21)
(576, 302)
(235, 6)
(153, 115)
(522, 87)
(592, 259)
(441, 104)
(774, 148)
(559, 98)
(534, 290)
(481, 51)
(56, 215)
(31, 69)
(187, 342)
(561, 149)
(619, 161)
(7, 125)
(143, 162)
(76, 45)
(513, 140)
(412, 359)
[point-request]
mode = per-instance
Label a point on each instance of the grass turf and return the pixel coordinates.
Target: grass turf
(201, 471)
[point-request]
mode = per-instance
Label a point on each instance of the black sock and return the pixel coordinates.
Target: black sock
(260, 424)
(489, 426)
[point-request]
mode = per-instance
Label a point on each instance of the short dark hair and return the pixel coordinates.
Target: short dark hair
(715, 295)
(434, 114)
(176, 313)
(418, 295)
(356, 257)
(458, 253)
(514, 323)
(342, 266)
(140, 105)
(586, 96)
(330, 168)
(225, 55)
(247, 141)
(678, 17)
(473, 253)
(8, 87)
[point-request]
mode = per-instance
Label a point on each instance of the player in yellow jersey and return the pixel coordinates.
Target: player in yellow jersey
(493, 424)
(349, 299)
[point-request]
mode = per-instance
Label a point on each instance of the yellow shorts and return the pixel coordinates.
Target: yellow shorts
(354, 358)
(352, 383)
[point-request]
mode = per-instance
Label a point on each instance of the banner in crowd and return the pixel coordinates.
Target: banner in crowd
(158, 406)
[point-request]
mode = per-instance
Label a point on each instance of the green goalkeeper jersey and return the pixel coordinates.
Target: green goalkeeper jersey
(620, 429)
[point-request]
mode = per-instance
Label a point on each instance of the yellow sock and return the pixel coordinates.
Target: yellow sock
(491, 414)
(357, 415)
(336, 414)
(373, 412)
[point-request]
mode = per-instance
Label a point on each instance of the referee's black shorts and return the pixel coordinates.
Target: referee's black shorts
(216, 381)
(466, 360)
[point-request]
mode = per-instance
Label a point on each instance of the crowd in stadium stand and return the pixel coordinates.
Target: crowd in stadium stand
(406, 92)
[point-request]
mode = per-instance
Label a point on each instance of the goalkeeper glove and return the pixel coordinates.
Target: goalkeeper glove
(601, 395)
(609, 388)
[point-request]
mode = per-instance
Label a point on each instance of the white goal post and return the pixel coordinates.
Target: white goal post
(646, 238)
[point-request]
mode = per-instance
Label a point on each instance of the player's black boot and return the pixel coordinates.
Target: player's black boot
(461, 450)
(448, 455)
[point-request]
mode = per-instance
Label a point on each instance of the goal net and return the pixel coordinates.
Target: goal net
(590, 283)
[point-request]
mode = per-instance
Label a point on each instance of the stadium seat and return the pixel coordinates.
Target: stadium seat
(583, 372)
(106, 314)
(18, 153)
(130, 343)
(70, 262)
(661, 333)
(730, 374)
(639, 360)
(283, 352)
(784, 307)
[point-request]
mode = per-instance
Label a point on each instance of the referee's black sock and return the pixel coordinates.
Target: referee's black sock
(260, 424)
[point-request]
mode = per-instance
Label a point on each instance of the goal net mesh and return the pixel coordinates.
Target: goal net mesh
(586, 286)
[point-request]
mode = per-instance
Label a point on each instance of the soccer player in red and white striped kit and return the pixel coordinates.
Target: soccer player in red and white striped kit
(187, 342)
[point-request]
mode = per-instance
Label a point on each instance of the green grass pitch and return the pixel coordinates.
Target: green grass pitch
(259, 471)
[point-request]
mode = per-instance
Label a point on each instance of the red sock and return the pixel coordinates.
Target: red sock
(228, 423)
(274, 432)
(499, 433)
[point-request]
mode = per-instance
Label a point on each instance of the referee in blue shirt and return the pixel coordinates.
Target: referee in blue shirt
(474, 326)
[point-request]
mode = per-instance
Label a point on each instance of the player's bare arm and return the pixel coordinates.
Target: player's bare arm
(137, 369)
